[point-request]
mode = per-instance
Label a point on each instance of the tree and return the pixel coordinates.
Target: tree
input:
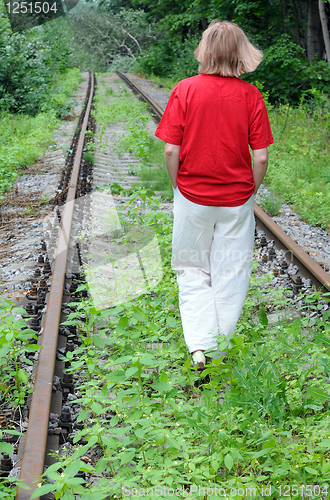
(99, 36)
(325, 29)
(315, 43)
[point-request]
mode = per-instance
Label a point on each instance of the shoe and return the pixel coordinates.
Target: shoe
(199, 360)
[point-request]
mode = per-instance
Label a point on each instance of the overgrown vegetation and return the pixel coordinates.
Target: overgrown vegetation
(18, 342)
(24, 138)
(35, 85)
(299, 171)
(159, 39)
(150, 421)
(29, 62)
(123, 107)
(105, 39)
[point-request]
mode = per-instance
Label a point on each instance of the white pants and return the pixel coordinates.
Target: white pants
(212, 253)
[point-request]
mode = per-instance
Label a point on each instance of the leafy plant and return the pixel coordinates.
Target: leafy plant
(259, 420)
(89, 157)
(271, 204)
(24, 138)
(17, 341)
(28, 64)
(286, 73)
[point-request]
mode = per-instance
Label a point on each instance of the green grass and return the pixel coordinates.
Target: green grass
(271, 204)
(299, 169)
(24, 138)
(259, 420)
(22, 141)
(126, 109)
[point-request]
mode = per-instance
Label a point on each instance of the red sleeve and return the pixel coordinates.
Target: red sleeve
(260, 134)
(171, 126)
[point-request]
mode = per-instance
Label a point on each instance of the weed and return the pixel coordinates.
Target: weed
(16, 340)
(260, 420)
(271, 204)
(89, 157)
(24, 138)
(136, 140)
(29, 210)
(44, 199)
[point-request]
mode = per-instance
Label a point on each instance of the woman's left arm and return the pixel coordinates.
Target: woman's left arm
(172, 155)
(260, 163)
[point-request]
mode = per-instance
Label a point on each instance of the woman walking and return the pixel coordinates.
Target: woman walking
(208, 125)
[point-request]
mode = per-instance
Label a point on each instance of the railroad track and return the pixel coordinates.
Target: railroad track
(33, 456)
(35, 445)
(308, 268)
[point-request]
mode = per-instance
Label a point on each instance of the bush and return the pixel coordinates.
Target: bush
(100, 37)
(172, 59)
(286, 74)
(28, 62)
(157, 59)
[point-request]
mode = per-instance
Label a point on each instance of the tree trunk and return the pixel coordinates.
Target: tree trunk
(315, 43)
(326, 36)
(296, 20)
(285, 17)
(204, 23)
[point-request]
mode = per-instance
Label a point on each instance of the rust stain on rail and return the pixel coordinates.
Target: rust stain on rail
(37, 431)
(157, 110)
(306, 261)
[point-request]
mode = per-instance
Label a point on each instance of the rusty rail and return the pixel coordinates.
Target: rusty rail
(307, 266)
(156, 110)
(36, 435)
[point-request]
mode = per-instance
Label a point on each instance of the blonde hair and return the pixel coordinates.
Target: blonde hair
(225, 50)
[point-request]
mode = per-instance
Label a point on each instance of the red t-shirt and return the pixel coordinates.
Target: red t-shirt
(214, 119)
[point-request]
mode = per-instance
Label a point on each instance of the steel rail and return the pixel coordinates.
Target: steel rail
(307, 266)
(157, 110)
(37, 431)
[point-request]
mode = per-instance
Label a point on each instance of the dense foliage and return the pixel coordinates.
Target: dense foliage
(28, 63)
(102, 38)
(24, 138)
(159, 38)
(291, 64)
(35, 85)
